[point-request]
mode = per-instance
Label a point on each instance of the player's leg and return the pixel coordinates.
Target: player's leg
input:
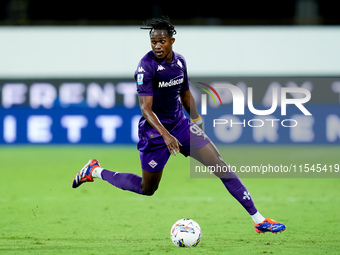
(204, 151)
(152, 165)
(92, 170)
(150, 182)
(208, 155)
(145, 185)
(124, 181)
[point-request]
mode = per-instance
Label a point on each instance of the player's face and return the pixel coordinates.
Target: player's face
(161, 44)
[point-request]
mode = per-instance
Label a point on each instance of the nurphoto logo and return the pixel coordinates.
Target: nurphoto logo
(239, 99)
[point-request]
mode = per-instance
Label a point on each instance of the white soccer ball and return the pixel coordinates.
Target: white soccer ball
(186, 233)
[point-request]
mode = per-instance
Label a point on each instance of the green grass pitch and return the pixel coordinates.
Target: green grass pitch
(42, 214)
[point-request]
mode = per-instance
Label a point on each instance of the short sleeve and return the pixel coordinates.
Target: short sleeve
(144, 79)
(185, 85)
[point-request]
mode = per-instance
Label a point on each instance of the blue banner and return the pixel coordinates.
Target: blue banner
(71, 125)
(323, 126)
(120, 126)
(259, 110)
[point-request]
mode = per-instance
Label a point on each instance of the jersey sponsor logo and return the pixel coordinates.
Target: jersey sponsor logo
(172, 82)
(153, 163)
(160, 68)
(140, 79)
(141, 70)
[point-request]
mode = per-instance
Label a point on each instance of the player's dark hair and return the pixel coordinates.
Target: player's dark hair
(161, 24)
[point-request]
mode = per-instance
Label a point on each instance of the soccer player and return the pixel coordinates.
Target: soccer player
(163, 90)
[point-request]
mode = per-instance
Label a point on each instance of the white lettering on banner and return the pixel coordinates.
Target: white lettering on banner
(227, 128)
(336, 88)
(39, 129)
(32, 110)
(109, 124)
(102, 96)
(13, 94)
(226, 134)
(42, 94)
(71, 93)
(305, 85)
(74, 124)
(304, 131)
(332, 128)
(134, 128)
(10, 129)
(267, 133)
(128, 90)
(45, 94)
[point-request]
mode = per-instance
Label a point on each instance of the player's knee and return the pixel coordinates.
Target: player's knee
(149, 191)
(216, 160)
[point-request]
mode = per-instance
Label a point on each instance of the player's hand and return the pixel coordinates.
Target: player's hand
(172, 143)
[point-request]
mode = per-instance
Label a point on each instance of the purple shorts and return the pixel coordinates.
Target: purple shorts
(192, 139)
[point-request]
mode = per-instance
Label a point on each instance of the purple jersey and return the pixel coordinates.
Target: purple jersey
(165, 82)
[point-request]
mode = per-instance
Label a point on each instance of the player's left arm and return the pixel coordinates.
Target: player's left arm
(189, 104)
(188, 101)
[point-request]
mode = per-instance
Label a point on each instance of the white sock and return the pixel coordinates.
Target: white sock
(257, 218)
(97, 173)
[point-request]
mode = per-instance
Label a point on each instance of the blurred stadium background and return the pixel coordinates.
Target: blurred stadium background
(66, 78)
(55, 54)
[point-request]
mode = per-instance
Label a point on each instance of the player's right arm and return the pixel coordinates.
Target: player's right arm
(171, 142)
(144, 76)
